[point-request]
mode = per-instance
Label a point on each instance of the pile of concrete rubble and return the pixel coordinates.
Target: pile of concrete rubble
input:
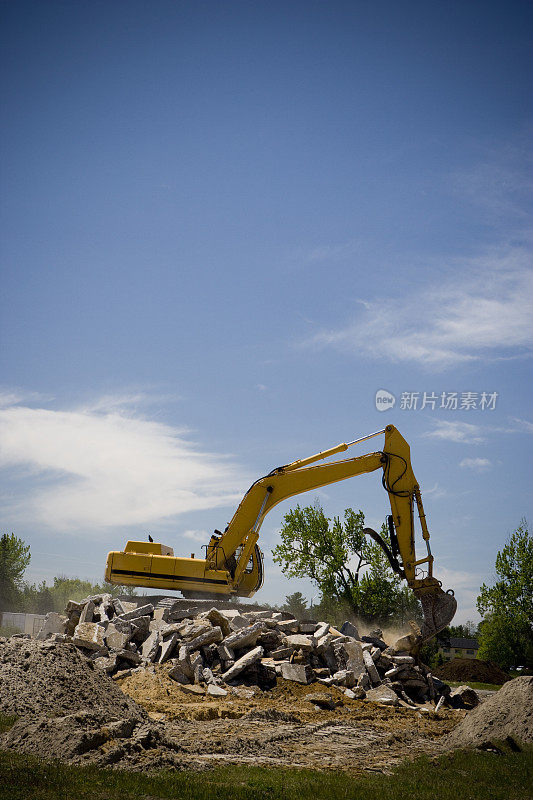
(211, 650)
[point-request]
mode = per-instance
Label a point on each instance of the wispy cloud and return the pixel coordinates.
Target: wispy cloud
(476, 464)
(465, 432)
(437, 492)
(483, 308)
(522, 425)
(102, 467)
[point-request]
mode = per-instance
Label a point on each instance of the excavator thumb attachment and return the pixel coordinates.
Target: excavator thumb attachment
(439, 607)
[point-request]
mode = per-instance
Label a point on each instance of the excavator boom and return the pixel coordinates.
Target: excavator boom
(234, 564)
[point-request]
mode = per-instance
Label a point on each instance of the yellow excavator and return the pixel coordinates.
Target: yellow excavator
(233, 564)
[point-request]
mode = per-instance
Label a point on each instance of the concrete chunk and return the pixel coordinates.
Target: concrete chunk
(349, 629)
(321, 700)
(219, 620)
(211, 636)
(131, 658)
(242, 663)
(345, 677)
(321, 631)
(53, 623)
(178, 675)
(225, 653)
(245, 637)
(238, 622)
(141, 611)
(383, 694)
(281, 653)
(216, 691)
(197, 666)
(89, 635)
(116, 639)
(299, 641)
(300, 673)
(87, 612)
(308, 627)
(151, 646)
(167, 647)
(371, 668)
(288, 626)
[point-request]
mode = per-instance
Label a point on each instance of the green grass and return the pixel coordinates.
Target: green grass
(464, 775)
(6, 722)
(493, 687)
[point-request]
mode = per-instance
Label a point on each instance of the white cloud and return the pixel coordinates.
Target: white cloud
(476, 464)
(451, 431)
(96, 468)
(197, 536)
(479, 308)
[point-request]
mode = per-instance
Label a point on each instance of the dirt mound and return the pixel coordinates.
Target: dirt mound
(509, 712)
(88, 738)
(55, 679)
(471, 669)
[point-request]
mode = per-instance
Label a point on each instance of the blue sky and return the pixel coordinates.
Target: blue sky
(225, 226)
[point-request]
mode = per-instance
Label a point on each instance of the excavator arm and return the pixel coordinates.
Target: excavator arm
(233, 563)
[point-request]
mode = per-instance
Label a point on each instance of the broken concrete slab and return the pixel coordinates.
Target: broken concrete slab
(167, 647)
(288, 626)
(218, 619)
(300, 673)
(53, 623)
(242, 663)
(464, 697)
(321, 700)
(216, 691)
(178, 675)
(281, 653)
(309, 627)
(383, 694)
(129, 656)
(140, 611)
(89, 635)
(211, 636)
(245, 637)
(349, 629)
(150, 646)
(87, 612)
(371, 668)
(299, 641)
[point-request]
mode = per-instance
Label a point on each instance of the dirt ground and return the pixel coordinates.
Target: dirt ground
(281, 728)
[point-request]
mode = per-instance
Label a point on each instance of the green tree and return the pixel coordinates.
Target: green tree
(296, 605)
(14, 558)
(351, 571)
(506, 633)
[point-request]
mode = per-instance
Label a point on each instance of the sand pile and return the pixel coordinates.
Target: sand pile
(56, 679)
(508, 713)
(472, 669)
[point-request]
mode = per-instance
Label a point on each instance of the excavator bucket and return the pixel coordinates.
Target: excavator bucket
(439, 608)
